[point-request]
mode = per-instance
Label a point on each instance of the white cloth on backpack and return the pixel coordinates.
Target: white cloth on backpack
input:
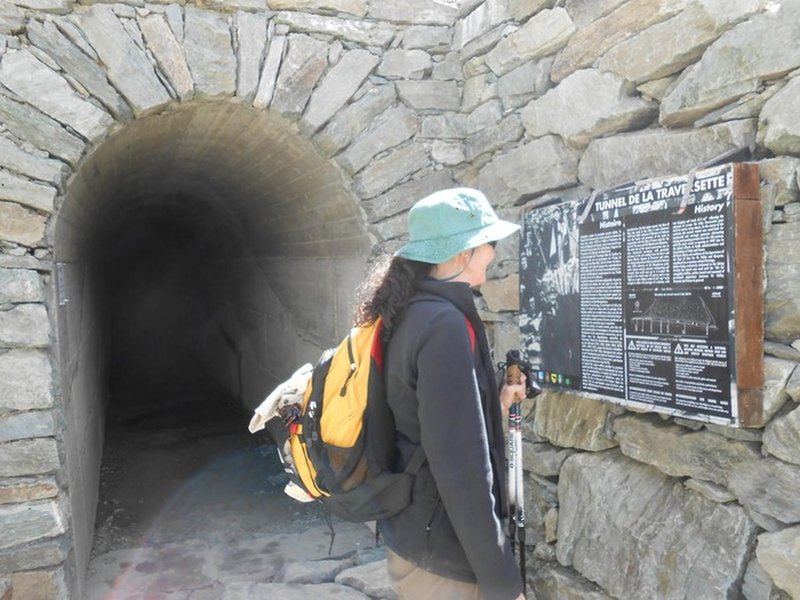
(289, 392)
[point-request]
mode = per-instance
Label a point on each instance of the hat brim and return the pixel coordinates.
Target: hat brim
(438, 250)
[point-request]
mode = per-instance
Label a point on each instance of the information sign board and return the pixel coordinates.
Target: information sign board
(649, 295)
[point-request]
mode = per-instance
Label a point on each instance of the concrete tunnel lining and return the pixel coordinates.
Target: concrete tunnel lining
(226, 207)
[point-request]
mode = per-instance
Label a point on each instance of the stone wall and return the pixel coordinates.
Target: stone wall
(530, 100)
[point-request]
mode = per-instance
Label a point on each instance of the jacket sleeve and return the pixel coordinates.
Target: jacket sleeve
(453, 434)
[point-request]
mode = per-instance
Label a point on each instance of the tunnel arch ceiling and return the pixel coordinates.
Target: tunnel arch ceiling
(242, 178)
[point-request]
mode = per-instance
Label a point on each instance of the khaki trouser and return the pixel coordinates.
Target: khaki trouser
(412, 583)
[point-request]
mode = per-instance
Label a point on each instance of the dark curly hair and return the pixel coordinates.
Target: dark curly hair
(387, 290)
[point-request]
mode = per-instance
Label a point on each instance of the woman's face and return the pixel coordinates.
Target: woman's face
(468, 266)
(475, 273)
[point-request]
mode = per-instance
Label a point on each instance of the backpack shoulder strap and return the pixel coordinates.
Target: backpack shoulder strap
(428, 297)
(471, 333)
(416, 462)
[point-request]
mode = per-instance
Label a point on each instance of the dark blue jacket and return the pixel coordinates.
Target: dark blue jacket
(444, 396)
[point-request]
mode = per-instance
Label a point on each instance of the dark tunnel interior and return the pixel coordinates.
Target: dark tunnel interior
(163, 287)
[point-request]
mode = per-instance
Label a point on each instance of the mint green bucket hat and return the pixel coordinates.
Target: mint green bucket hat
(450, 221)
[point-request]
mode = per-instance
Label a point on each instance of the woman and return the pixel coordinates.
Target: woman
(449, 543)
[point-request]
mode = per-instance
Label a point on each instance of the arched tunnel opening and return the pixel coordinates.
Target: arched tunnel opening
(202, 254)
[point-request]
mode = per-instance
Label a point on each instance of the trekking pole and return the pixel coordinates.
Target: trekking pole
(514, 376)
(512, 478)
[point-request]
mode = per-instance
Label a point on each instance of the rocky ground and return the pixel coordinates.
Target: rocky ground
(193, 508)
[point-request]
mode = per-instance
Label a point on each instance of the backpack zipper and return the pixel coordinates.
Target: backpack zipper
(352, 358)
(429, 526)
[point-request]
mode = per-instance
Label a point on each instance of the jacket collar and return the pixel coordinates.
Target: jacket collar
(458, 293)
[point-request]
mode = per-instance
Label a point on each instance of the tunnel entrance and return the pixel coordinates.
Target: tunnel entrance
(201, 255)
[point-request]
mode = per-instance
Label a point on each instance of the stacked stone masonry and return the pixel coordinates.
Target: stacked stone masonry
(528, 100)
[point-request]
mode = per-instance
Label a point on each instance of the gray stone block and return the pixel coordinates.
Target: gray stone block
(529, 169)
(543, 34)
(776, 377)
(34, 556)
(585, 12)
(450, 125)
(32, 125)
(618, 159)
(597, 37)
(405, 64)
(306, 59)
(126, 62)
(311, 571)
(370, 578)
(292, 591)
(353, 119)
(416, 12)
(29, 164)
(12, 20)
(401, 197)
(793, 386)
(680, 452)
(76, 63)
(368, 33)
(737, 63)
(356, 8)
(572, 421)
(209, 52)
(25, 325)
(23, 458)
(586, 105)
(27, 193)
(477, 90)
(519, 86)
(427, 37)
(486, 16)
(429, 95)
(544, 459)
(27, 425)
(779, 180)
(27, 489)
(19, 285)
(22, 523)
(486, 115)
(47, 90)
(269, 74)
(251, 43)
(385, 172)
(782, 436)
(554, 582)
(779, 555)
(494, 137)
(394, 127)
(778, 123)
(770, 487)
(21, 225)
(656, 52)
(338, 86)
(167, 51)
(757, 584)
(712, 491)
(448, 153)
(640, 534)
